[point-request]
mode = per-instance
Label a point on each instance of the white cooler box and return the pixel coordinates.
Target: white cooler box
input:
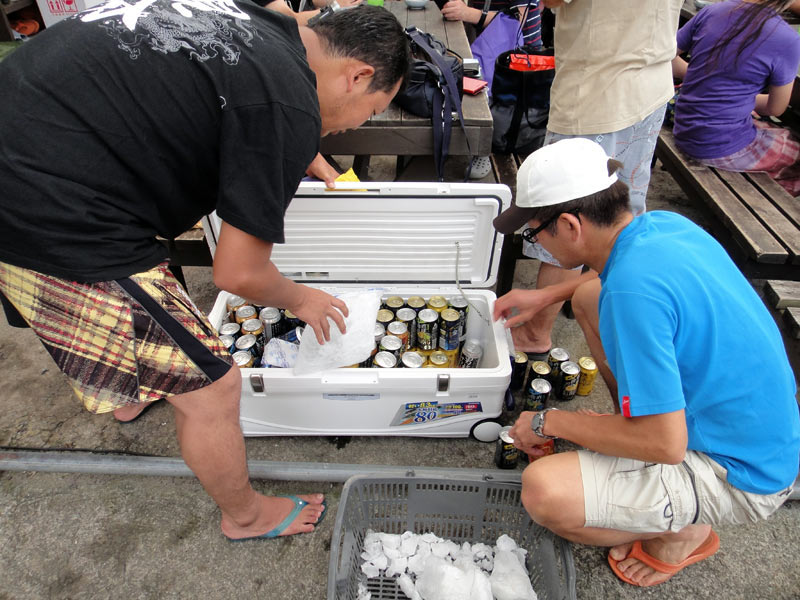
(403, 239)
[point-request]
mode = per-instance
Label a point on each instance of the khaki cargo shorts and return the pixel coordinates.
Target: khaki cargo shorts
(632, 495)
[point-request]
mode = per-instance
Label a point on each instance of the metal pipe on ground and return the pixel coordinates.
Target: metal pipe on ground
(114, 464)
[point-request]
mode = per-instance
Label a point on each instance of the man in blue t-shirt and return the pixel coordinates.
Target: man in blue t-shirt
(696, 440)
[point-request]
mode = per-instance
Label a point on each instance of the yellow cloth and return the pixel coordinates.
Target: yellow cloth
(349, 175)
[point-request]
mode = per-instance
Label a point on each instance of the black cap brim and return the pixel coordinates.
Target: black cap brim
(512, 219)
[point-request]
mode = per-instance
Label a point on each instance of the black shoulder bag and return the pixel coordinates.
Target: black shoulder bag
(434, 90)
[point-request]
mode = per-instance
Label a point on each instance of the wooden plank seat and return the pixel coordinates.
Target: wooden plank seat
(754, 218)
(783, 301)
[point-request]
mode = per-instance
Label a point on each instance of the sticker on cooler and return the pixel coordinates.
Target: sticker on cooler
(416, 413)
(63, 7)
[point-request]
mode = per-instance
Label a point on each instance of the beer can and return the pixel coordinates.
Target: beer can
(244, 312)
(427, 329)
(249, 344)
(292, 336)
(506, 454)
(548, 447)
(385, 316)
(439, 359)
(233, 302)
(449, 329)
(232, 329)
(409, 317)
(273, 322)
(518, 368)
(291, 320)
(380, 331)
(392, 344)
(471, 355)
(588, 375)
(452, 357)
(568, 380)
(394, 303)
(554, 360)
(412, 360)
(415, 303)
(540, 369)
(243, 359)
(437, 303)
(384, 360)
(228, 342)
(399, 329)
(460, 304)
(538, 394)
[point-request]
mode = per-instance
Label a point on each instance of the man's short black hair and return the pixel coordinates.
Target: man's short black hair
(602, 208)
(372, 35)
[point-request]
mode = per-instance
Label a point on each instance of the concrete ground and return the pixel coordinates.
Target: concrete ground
(82, 536)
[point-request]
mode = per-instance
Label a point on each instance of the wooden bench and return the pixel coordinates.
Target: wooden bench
(783, 300)
(753, 217)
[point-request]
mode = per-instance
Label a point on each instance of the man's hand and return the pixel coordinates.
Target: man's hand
(526, 302)
(523, 435)
(457, 10)
(321, 169)
(316, 307)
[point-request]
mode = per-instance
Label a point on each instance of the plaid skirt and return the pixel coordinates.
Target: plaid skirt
(121, 342)
(775, 150)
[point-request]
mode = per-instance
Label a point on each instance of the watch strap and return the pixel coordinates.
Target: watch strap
(537, 424)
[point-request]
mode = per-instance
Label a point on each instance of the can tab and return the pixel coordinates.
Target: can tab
(442, 383)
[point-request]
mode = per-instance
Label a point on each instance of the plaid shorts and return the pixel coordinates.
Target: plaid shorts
(775, 150)
(121, 342)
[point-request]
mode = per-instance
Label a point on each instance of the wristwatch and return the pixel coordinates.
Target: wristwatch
(537, 424)
(482, 20)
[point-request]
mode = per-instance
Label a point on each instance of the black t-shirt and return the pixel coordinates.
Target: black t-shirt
(137, 118)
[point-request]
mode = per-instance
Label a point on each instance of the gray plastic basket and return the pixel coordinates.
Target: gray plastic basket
(471, 510)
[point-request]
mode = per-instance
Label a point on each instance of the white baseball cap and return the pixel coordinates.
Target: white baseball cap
(557, 173)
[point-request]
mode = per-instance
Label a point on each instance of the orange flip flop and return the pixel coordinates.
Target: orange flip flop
(704, 550)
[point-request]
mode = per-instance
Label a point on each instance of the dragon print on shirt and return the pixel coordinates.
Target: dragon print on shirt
(206, 29)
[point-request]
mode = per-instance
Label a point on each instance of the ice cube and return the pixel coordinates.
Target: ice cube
(397, 566)
(441, 580)
(506, 543)
(509, 580)
(370, 570)
(408, 588)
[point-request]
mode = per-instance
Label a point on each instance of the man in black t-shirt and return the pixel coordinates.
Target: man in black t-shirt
(133, 120)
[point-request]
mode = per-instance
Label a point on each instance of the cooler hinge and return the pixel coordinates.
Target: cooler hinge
(442, 383)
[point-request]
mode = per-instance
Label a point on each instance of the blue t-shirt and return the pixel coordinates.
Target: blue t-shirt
(712, 113)
(683, 329)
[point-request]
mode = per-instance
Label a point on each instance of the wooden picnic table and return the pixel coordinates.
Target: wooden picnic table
(396, 132)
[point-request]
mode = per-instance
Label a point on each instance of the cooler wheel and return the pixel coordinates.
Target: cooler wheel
(487, 430)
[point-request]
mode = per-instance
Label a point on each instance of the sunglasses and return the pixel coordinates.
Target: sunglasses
(531, 234)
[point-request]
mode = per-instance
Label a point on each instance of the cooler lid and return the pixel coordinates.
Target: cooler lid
(385, 233)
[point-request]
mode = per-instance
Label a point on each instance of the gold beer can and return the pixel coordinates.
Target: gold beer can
(437, 303)
(588, 375)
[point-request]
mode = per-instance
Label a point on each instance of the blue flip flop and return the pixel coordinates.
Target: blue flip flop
(283, 525)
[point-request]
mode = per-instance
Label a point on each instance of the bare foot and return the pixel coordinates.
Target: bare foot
(527, 339)
(272, 511)
(671, 548)
(129, 412)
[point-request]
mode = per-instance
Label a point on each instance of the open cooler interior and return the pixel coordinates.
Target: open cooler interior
(490, 335)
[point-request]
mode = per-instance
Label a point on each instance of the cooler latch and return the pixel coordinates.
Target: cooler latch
(257, 383)
(442, 383)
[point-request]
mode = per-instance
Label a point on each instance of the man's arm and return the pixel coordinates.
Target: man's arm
(658, 438)
(529, 302)
(242, 266)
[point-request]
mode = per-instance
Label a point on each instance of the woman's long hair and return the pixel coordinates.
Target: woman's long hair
(747, 18)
